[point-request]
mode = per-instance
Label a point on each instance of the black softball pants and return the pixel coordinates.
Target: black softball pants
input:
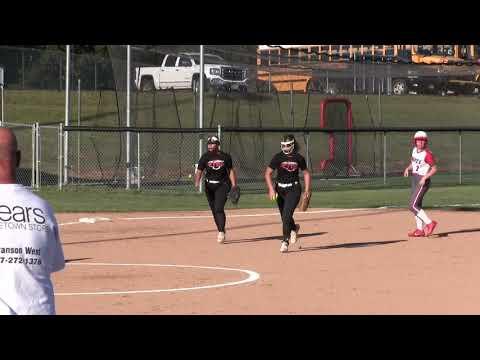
(217, 197)
(287, 201)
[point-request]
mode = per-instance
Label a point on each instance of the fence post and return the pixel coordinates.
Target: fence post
(3, 112)
(354, 79)
(38, 157)
(127, 148)
(328, 85)
(384, 158)
(201, 108)
(95, 73)
(269, 81)
(363, 78)
(33, 157)
(67, 115)
(79, 114)
(292, 114)
(60, 156)
(460, 157)
(389, 80)
(379, 107)
(138, 161)
(307, 150)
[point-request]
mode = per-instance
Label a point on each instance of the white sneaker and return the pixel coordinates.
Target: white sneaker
(221, 237)
(294, 234)
(284, 247)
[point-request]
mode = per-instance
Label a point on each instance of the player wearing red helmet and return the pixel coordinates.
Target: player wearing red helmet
(423, 167)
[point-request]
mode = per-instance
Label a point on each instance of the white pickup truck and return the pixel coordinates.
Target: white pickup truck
(183, 72)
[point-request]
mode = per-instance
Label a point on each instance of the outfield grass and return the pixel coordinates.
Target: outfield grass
(86, 200)
(159, 153)
(158, 109)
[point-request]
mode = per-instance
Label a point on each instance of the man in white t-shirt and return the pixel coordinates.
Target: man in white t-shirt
(30, 248)
(423, 167)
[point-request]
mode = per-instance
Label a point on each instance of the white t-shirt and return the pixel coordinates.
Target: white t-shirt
(422, 161)
(30, 250)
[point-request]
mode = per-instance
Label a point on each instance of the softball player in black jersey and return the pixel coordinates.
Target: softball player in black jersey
(219, 179)
(287, 189)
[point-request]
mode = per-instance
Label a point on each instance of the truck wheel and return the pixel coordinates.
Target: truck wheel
(196, 85)
(147, 84)
(399, 87)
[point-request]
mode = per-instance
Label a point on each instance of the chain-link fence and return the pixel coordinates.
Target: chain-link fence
(41, 154)
(49, 156)
(165, 159)
(242, 89)
(26, 139)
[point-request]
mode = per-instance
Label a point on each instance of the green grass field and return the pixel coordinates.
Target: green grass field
(86, 200)
(159, 153)
(158, 109)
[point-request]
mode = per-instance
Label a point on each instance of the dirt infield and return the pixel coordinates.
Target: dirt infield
(350, 262)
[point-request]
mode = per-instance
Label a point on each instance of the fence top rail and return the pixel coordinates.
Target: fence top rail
(48, 127)
(270, 129)
(12, 124)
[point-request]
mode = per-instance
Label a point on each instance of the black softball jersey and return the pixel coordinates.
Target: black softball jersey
(216, 165)
(287, 166)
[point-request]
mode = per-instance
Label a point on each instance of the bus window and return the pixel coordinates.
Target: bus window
(275, 57)
(303, 55)
(323, 52)
(314, 53)
(264, 55)
(294, 56)
(334, 52)
(284, 56)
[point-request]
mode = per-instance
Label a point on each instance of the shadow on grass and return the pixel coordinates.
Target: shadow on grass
(347, 245)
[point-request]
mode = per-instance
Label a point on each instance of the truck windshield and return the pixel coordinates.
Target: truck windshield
(208, 59)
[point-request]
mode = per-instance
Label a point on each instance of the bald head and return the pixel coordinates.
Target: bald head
(9, 156)
(8, 143)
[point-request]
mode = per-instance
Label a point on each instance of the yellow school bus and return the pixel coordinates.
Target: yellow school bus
(289, 67)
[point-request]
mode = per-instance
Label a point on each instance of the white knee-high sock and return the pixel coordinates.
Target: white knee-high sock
(423, 216)
(419, 222)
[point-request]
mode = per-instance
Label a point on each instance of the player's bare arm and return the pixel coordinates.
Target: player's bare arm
(233, 177)
(407, 170)
(428, 175)
(198, 177)
(307, 178)
(268, 181)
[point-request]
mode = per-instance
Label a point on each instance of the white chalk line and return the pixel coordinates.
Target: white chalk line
(386, 207)
(92, 221)
(86, 220)
(252, 277)
(245, 215)
(432, 206)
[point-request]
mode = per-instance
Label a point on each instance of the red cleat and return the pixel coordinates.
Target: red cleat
(416, 233)
(430, 227)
